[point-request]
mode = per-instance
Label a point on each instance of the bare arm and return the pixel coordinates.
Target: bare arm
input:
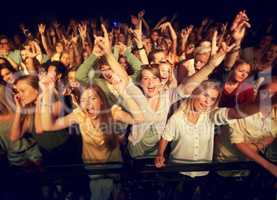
(216, 58)
(248, 151)
(159, 160)
(184, 38)
(48, 51)
(17, 131)
(136, 115)
(49, 124)
(173, 35)
(105, 45)
(138, 39)
(238, 32)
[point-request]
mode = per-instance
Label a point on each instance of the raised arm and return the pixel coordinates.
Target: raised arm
(184, 38)
(87, 65)
(217, 56)
(135, 114)
(105, 45)
(162, 20)
(173, 35)
(82, 28)
(238, 29)
(49, 124)
(17, 131)
(137, 33)
(144, 22)
(41, 29)
(130, 57)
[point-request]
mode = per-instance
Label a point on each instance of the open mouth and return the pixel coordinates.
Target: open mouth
(151, 90)
(107, 76)
(90, 110)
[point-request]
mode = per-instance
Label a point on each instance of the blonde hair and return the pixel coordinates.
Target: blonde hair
(187, 105)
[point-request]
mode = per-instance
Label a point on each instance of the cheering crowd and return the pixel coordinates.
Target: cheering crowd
(96, 92)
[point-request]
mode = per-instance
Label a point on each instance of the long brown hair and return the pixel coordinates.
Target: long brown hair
(170, 78)
(28, 117)
(236, 65)
(106, 119)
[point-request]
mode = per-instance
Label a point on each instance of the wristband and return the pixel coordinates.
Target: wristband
(140, 48)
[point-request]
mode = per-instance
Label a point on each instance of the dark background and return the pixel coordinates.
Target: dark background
(13, 13)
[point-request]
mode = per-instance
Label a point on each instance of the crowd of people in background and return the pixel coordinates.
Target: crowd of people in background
(93, 91)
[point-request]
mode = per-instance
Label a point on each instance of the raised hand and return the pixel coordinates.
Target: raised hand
(119, 85)
(96, 49)
(41, 28)
(28, 53)
(164, 26)
(239, 25)
(74, 39)
(218, 52)
(186, 32)
(82, 28)
(121, 48)
(104, 42)
(137, 33)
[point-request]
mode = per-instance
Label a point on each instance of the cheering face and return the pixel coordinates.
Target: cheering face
(205, 100)
(27, 94)
(7, 75)
(201, 60)
(241, 72)
(150, 83)
(108, 74)
(164, 72)
(91, 103)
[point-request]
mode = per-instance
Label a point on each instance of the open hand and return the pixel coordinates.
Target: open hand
(41, 28)
(218, 52)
